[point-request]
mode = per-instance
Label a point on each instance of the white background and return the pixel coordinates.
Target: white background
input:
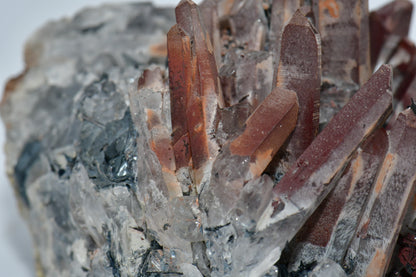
(18, 20)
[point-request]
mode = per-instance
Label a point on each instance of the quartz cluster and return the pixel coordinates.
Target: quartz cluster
(266, 147)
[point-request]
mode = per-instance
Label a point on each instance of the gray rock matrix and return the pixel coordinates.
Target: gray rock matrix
(71, 144)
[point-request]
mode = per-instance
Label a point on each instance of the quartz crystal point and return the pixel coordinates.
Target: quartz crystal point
(332, 226)
(206, 96)
(344, 29)
(151, 164)
(210, 16)
(170, 217)
(262, 139)
(180, 80)
(248, 36)
(233, 121)
(372, 247)
(247, 156)
(300, 70)
(367, 109)
(388, 25)
(246, 75)
(230, 250)
(358, 180)
(281, 12)
(153, 95)
(311, 178)
(403, 60)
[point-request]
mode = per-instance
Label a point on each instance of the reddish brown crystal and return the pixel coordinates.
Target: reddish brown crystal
(261, 138)
(314, 174)
(396, 17)
(388, 25)
(392, 193)
(189, 19)
(197, 131)
(180, 85)
(209, 14)
(361, 176)
(334, 223)
(300, 70)
(344, 30)
(403, 60)
(205, 98)
(367, 109)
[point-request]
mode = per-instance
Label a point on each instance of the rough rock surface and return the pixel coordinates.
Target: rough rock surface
(71, 145)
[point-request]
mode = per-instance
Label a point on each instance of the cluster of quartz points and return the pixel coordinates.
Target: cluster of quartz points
(268, 147)
(271, 112)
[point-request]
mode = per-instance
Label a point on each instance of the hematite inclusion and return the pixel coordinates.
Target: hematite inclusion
(175, 173)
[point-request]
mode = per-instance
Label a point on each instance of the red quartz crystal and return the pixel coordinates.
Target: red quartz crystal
(206, 96)
(392, 193)
(180, 85)
(388, 25)
(333, 224)
(299, 70)
(344, 29)
(367, 109)
(261, 138)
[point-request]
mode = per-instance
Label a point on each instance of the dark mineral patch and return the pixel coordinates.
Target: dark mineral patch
(27, 158)
(109, 152)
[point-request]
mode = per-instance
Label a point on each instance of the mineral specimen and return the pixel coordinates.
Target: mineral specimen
(248, 139)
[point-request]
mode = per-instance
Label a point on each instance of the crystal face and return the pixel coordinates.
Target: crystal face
(265, 146)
